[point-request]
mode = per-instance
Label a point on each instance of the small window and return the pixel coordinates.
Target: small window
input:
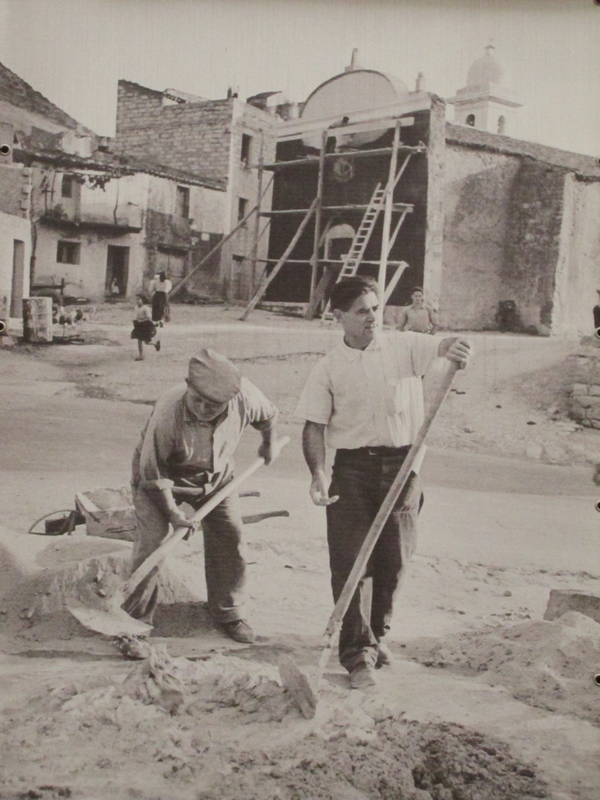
(67, 186)
(245, 151)
(68, 252)
(470, 120)
(501, 124)
(242, 208)
(182, 202)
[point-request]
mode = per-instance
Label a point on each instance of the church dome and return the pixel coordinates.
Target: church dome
(485, 70)
(355, 90)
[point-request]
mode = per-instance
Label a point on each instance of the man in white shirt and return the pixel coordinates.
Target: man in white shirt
(365, 400)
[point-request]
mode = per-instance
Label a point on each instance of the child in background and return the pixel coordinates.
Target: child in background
(144, 330)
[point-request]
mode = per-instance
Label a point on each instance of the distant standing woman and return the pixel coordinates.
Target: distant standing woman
(160, 287)
(418, 317)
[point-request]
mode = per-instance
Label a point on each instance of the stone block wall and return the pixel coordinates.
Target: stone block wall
(193, 137)
(585, 392)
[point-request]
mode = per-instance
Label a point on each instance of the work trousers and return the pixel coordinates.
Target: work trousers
(362, 478)
(224, 565)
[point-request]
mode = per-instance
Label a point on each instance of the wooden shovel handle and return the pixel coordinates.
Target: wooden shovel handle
(384, 512)
(159, 555)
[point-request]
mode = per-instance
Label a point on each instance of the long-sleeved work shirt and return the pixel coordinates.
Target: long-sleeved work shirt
(177, 449)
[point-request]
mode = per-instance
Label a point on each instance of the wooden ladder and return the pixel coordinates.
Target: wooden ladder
(359, 244)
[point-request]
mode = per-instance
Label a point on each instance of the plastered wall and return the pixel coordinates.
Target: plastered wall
(578, 271)
(12, 228)
(88, 278)
(477, 212)
(14, 189)
(536, 212)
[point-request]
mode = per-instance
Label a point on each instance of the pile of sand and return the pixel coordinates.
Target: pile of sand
(404, 761)
(225, 728)
(41, 575)
(548, 665)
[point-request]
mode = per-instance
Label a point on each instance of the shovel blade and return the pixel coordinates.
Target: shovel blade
(114, 622)
(298, 685)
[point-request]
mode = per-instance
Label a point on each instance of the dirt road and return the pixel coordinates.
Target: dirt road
(497, 534)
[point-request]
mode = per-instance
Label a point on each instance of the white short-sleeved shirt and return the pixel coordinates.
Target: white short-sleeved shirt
(161, 286)
(371, 397)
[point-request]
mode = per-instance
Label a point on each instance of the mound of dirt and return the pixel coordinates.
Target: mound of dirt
(41, 575)
(404, 761)
(548, 665)
(224, 728)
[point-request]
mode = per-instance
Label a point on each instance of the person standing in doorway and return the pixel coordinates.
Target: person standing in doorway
(160, 288)
(365, 400)
(418, 316)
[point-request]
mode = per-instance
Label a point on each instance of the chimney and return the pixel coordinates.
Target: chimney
(420, 83)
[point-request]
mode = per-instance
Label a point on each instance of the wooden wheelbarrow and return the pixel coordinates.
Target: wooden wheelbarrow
(109, 618)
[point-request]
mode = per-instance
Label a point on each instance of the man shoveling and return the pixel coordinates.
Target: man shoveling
(365, 400)
(185, 454)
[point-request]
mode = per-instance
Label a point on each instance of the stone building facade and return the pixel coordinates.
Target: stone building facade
(219, 140)
(504, 234)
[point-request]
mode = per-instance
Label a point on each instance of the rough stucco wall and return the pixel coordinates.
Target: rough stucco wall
(533, 241)
(14, 189)
(11, 228)
(434, 232)
(207, 209)
(238, 279)
(181, 236)
(88, 278)
(477, 207)
(188, 136)
(578, 272)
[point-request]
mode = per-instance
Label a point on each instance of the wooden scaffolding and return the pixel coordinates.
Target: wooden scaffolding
(382, 200)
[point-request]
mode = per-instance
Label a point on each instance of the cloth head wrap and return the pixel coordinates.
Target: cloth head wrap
(213, 376)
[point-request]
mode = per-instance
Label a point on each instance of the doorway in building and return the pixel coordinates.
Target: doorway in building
(18, 279)
(117, 270)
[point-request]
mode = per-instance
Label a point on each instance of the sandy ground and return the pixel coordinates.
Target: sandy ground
(485, 698)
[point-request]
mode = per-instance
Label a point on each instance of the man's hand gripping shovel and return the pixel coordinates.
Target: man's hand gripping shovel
(109, 618)
(305, 691)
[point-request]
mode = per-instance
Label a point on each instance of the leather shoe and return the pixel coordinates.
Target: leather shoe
(385, 657)
(363, 677)
(238, 630)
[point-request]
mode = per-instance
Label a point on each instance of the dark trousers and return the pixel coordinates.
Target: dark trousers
(224, 565)
(362, 478)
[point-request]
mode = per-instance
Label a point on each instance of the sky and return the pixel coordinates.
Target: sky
(75, 51)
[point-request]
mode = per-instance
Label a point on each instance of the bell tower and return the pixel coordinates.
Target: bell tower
(485, 103)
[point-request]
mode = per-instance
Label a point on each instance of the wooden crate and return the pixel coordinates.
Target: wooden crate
(108, 513)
